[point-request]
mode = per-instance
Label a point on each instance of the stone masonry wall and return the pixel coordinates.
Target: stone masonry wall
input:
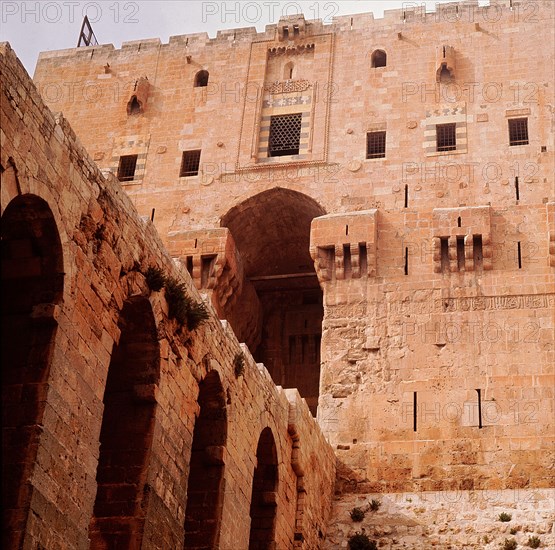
(106, 249)
(436, 266)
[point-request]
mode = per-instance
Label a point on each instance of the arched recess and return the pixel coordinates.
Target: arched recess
(379, 59)
(201, 79)
(205, 487)
(32, 286)
(272, 233)
(263, 509)
(288, 70)
(126, 432)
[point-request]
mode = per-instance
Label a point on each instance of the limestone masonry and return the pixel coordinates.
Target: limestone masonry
(366, 209)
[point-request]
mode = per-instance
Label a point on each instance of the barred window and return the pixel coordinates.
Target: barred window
(518, 131)
(285, 135)
(446, 137)
(190, 163)
(375, 145)
(126, 168)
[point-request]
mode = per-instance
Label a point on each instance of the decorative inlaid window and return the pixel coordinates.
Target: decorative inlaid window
(285, 135)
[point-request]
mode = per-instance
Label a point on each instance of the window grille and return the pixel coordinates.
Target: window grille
(285, 135)
(375, 145)
(126, 168)
(190, 163)
(518, 131)
(446, 137)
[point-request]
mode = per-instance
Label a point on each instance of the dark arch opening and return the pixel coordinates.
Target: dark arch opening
(288, 70)
(272, 233)
(32, 283)
(201, 79)
(264, 498)
(126, 432)
(134, 107)
(379, 59)
(205, 487)
(444, 74)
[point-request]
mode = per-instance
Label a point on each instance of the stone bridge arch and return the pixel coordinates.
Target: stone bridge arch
(127, 430)
(32, 291)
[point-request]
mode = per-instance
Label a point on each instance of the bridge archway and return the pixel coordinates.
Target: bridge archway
(32, 286)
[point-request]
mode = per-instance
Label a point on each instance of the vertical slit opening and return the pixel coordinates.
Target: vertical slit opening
(477, 252)
(519, 252)
(444, 254)
(459, 221)
(406, 196)
(291, 350)
(304, 349)
(206, 267)
(517, 189)
(479, 392)
(414, 411)
(460, 253)
(406, 260)
(363, 255)
(347, 259)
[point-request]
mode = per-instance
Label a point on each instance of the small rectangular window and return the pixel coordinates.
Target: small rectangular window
(126, 168)
(518, 131)
(285, 135)
(190, 163)
(375, 145)
(446, 137)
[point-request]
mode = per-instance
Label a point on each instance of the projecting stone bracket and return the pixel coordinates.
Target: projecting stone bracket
(291, 27)
(139, 97)
(212, 260)
(462, 239)
(343, 246)
(445, 60)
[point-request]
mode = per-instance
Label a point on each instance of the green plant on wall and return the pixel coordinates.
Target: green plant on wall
(181, 307)
(155, 278)
(239, 364)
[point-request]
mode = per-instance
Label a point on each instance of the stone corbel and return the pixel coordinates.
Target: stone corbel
(212, 260)
(445, 57)
(138, 100)
(468, 223)
(343, 246)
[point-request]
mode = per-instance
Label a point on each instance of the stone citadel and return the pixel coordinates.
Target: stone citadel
(367, 211)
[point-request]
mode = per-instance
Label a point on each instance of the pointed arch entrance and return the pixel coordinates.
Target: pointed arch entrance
(272, 233)
(32, 285)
